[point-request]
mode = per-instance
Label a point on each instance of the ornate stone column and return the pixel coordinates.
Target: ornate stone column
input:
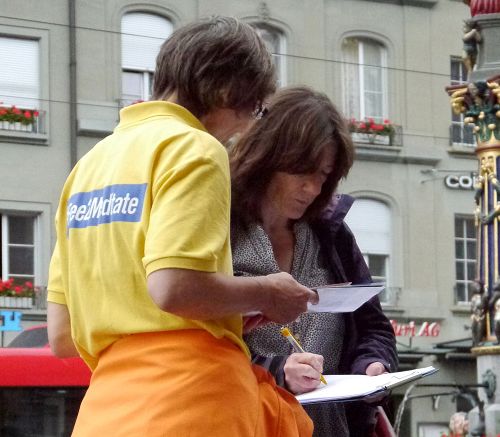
(479, 102)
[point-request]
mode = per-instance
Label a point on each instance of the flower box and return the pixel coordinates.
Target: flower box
(16, 302)
(17, 294)
(382, 140)
(18, 119)
(371, 132)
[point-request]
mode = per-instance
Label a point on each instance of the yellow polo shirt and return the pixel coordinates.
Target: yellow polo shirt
(155, 194)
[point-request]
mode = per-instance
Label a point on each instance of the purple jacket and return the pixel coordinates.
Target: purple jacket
(369, 334)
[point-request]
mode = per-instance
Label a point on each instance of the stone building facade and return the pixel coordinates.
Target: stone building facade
(76, 63)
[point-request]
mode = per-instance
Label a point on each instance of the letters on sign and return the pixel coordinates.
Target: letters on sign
(410, 329)
(460, 182)
(10, 321)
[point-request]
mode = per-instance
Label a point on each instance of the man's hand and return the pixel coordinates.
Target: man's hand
(303, 372)
(287, 299)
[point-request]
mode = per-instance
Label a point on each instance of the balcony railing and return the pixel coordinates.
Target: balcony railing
(36, 125)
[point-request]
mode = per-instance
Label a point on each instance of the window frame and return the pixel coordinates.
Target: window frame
(147, 73)
(362, 41)
(43, 231)
(464, 239)
(34, 101)
(146, 83)
(281, 65)
(40, 135)
(459, 121)
(5, 216)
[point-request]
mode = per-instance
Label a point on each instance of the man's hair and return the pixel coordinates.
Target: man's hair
(299, 125)
(219, 62)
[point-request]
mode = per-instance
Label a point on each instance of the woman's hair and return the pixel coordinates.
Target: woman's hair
(298, 126)
(220, 62)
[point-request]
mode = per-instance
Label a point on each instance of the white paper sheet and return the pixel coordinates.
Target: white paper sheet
(343, 299)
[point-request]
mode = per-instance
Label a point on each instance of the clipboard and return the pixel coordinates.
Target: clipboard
(348, 388)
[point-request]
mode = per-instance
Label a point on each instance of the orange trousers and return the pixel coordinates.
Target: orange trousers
(185, 383)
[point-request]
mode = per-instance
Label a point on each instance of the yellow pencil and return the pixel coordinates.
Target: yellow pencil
(296, 346)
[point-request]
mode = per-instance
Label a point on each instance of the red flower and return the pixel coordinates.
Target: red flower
(18, 289)
(362, 125)
(28, 284)
(36, 113)
(386, 121)
(27, 114)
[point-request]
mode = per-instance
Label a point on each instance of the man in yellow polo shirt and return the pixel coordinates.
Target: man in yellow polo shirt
(140, 281)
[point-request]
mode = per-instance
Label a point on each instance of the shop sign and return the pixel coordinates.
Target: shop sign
(460, 182)
(409, 329)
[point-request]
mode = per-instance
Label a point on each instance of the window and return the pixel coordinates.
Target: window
(20, 72)
(365, 79)
(276, 44)
(370, 221)
(142, 36)
(460, 134)
(18, 242)
(465, 257)
(20, 84)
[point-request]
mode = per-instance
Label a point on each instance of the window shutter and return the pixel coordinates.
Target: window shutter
(142, 36)
(370, 221)
(20, 72)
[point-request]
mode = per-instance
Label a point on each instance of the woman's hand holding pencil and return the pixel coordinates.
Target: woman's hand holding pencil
(302, 369)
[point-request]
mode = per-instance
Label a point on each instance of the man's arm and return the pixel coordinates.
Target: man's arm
(200, 295)
(59, 330)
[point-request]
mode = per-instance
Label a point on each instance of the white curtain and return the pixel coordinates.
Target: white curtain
(350, 52)
(364, 78)
(373, 80)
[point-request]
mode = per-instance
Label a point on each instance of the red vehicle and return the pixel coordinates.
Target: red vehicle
(39, 393)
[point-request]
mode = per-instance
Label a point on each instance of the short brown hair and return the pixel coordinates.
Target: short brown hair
(214, 63)
(291, 137)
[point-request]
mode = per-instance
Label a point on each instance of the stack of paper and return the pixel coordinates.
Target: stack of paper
(343, 388)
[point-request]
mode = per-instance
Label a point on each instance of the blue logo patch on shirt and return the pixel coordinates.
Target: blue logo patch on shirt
(114, 203)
